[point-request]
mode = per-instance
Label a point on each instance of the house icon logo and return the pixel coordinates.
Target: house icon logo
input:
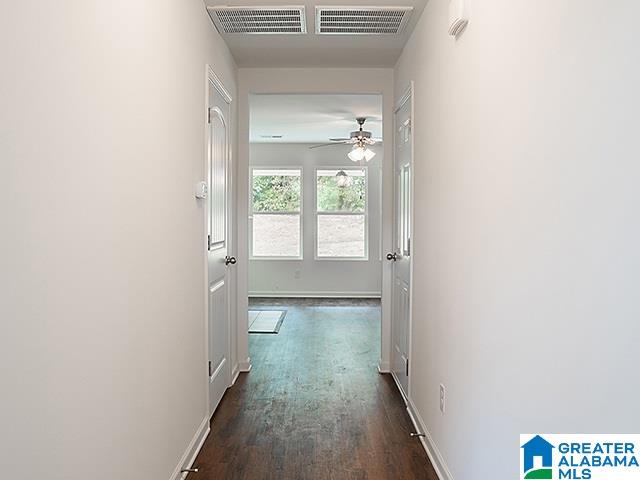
(537, 461)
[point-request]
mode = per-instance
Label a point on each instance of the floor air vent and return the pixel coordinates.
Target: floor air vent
(362, 20)
(254, 20)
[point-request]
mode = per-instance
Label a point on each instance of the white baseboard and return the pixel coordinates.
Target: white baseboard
(384, 367)
(245, 366)
(428, 444)
(234, 374)
(192, 450)
(315, 294)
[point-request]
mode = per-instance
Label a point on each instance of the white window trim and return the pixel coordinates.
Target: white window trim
(251, 213)
(316, 213)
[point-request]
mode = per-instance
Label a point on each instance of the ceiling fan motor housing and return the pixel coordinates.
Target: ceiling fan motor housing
(360, 134)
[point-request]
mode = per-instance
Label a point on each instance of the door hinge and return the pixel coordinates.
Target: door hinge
(406, 363)
(209, 115)
(408, 246)
(210, 368)
(208, 242)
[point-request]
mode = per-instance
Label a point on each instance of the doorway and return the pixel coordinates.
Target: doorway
(315, 203)
(289, 81)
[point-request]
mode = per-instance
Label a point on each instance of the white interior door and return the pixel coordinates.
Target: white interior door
(401, 256)
(218, 261)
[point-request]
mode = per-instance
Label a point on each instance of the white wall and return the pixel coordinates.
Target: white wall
(526, 234)
(310, 80)
(102, 135)
(325, 277)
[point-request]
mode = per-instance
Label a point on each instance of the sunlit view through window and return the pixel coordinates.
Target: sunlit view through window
(341, 213)
(276, 202)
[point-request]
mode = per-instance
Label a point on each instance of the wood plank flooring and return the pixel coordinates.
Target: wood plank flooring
(314, 405)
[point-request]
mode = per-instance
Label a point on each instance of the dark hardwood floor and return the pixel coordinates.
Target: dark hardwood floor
(314, 405)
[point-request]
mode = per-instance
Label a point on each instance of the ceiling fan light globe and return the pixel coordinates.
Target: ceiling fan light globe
(356, 154)
(369, 154)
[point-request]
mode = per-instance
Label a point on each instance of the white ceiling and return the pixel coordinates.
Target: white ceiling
(312, 118)
(311, 50)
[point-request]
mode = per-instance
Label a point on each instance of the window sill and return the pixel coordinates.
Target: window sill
(342, 259)
(270, 259)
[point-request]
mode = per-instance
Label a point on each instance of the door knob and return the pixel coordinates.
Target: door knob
(230, 260)
(392, 256)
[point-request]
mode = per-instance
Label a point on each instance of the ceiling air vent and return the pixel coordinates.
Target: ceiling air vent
(362, 20)
(259, 20)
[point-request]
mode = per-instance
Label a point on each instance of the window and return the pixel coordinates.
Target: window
(275, 213)
(341, 206)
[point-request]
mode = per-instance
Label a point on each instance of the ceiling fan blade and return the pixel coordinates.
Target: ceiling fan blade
(339, 139)
(327, 144)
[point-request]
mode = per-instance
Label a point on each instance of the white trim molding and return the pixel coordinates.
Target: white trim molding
(235, 372)
(428, 443)
(190, 454)
(384, 367)
(245, 366)
(216, 82)
(408, 93)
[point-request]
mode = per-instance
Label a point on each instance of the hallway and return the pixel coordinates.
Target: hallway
(314, 405)
(472, 165)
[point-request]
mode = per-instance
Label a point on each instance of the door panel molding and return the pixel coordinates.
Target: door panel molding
(218, 232)
(216, 372)
(217, 83)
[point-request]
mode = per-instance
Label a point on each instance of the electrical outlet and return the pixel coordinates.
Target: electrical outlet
(442, 397)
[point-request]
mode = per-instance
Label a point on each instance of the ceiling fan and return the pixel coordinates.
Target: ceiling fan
(360, 139)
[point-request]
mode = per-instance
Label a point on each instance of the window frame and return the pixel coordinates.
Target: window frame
(300, 213)
(317, 214)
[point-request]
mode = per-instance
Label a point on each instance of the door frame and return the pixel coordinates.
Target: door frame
(407, 96)
(213, 80)
(375, 81)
